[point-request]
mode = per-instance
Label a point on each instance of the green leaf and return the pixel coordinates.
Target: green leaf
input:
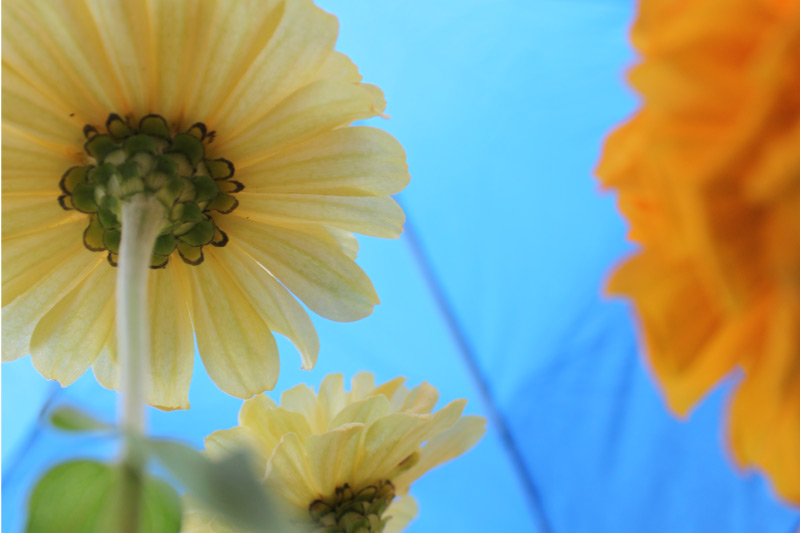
(83, 497)
(72, 419)
(228, 487)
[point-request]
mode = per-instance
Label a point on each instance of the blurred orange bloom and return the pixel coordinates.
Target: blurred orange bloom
(708, 174)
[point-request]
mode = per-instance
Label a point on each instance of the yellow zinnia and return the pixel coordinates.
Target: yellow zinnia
(240, 108)
(708, 173)
(338, 459)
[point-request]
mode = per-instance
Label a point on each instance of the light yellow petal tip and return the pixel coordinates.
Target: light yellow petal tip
(378, 99)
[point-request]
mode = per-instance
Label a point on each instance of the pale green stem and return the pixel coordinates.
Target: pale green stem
(142, 219)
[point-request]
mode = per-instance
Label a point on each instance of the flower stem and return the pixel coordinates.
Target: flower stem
(142, 218)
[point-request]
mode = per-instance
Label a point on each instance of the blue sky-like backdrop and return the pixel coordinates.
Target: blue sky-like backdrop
(494, 293)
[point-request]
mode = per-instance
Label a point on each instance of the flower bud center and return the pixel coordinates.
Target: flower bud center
(150, 159)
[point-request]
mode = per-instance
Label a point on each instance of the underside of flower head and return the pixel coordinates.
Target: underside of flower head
(242, 135)
(148, 159)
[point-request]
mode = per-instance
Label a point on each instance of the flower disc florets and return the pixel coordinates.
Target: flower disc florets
(354, 512)
(150, 159)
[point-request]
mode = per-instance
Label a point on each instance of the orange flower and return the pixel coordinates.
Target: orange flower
(708, 173)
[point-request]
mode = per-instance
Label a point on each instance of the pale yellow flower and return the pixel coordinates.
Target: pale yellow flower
(274, 101)
(321, 452)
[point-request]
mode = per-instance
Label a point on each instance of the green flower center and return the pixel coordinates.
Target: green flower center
(354, 512)
(150, 159)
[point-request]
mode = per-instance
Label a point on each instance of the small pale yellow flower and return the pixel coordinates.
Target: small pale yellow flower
(240, 108)
(338, 459)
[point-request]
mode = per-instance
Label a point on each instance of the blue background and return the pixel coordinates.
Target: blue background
(493, 293)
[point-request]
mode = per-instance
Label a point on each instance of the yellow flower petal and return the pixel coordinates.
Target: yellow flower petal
(332, 397)
(449, 444)
(361, 386)
(357, 161)
(291, 472)
(388, 442)
(21, 315)
(332, 456)
(421, 399)
(30, 167)
(27, 214)
(32, 114)
(29, 258)
(223, 443)
(301, 42)
(67, 62)
(236, 346)
(268, 424)
(378, 216)
(275, 304)
(302, 400)
(169, 371)
(402, 511)
(319, 274)
(338, 66)
(172, 352)
(79, 325)
(363, 412)
(314, 109)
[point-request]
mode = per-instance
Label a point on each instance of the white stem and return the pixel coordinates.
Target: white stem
(142, 219)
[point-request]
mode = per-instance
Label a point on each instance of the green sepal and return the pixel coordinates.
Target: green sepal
(224, 203)
(85, 497)
(113, 259)
(192, 255)
(220, 237)
(73, 177)
(201, 234)
(169, 193)
(100, 146)
(132, 186)
(188, 193)
(158, 261)
(111, 240)
(188, 145)
(167, 166)
(141, 143)
(107, 219)
(186, 212)
(83, 198)
(76, 420)
(65, 201)
(154, 125)
(183, 164)
(118, 128)
(146, 162)
(318, 509)
(219, 169)
(112, 205)
(367, 494)
(205, 188)
(102, 175)
(197, 130)
(230, 186)
(165, 244)
(129, 170)
(93, 235)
